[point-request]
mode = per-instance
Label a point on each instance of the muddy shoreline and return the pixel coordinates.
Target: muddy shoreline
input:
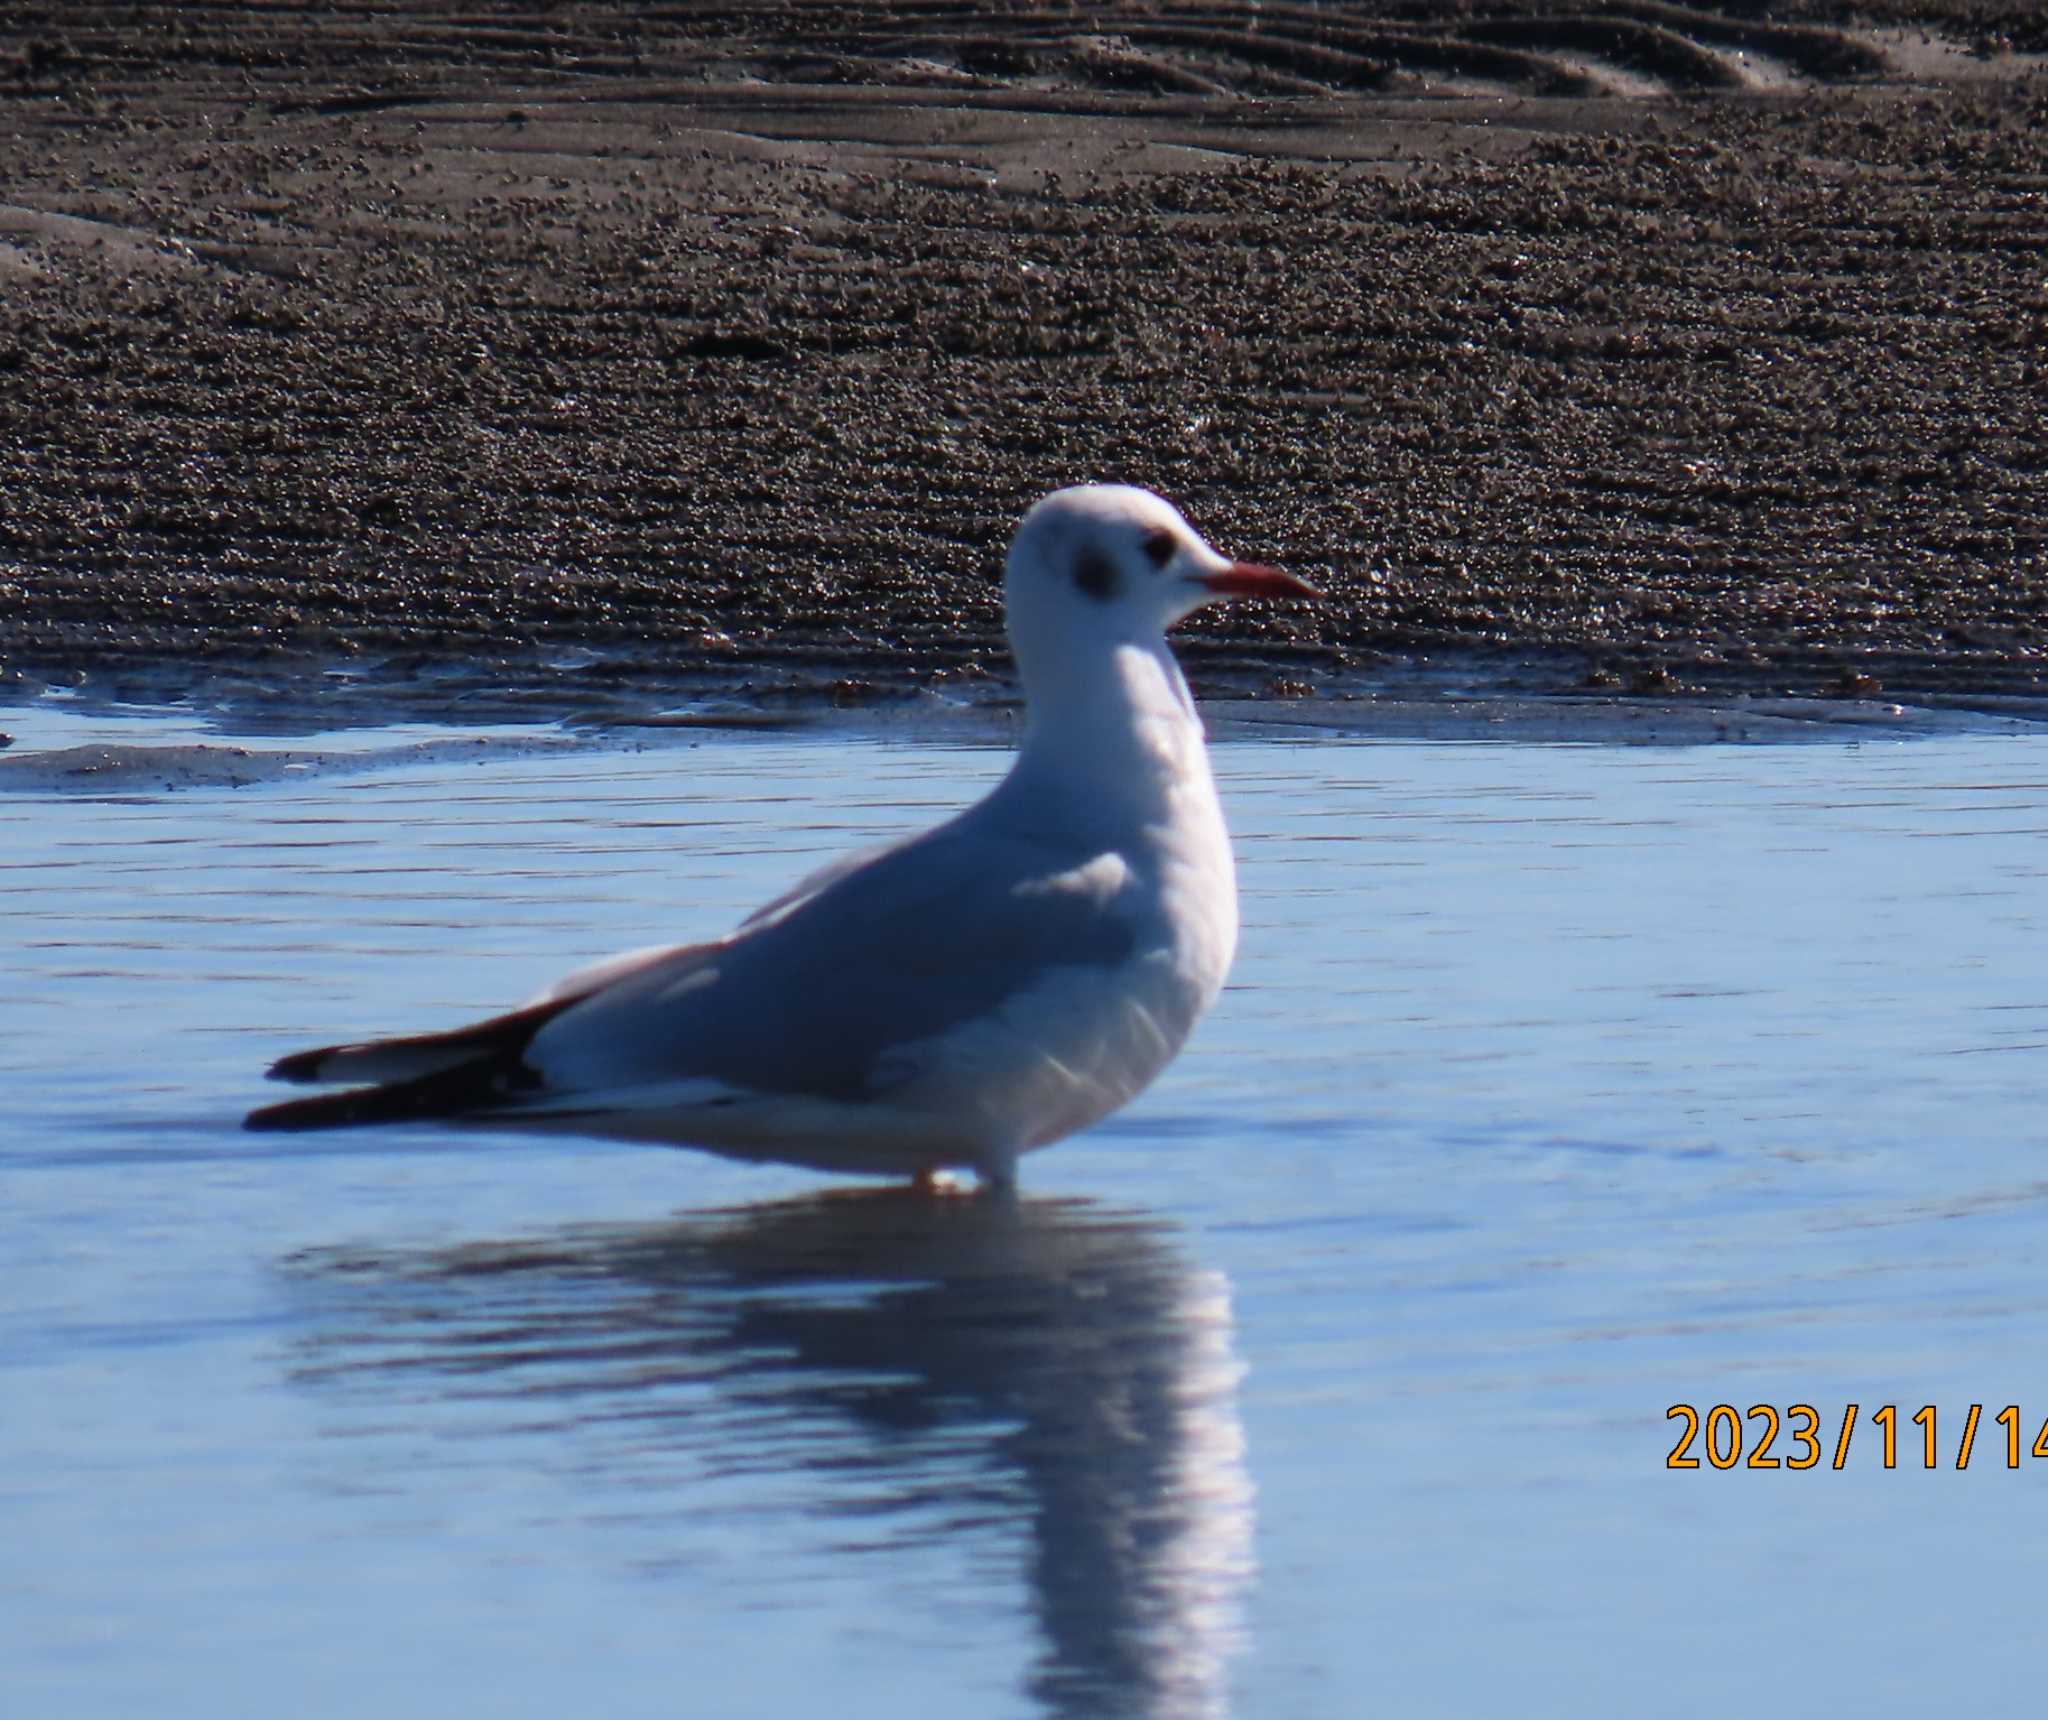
(569, 353)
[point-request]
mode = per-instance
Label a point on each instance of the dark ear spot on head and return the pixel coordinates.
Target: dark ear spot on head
(1159, 546)
(1094, 575)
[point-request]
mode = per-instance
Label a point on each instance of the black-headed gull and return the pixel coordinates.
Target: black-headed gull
(953, 1000)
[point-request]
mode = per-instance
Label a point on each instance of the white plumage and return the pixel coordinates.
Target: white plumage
(955, 999)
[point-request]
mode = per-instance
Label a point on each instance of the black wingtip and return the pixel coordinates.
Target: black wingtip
(299, 1066)
(472, 1069)
(499, 1042)
(277, 1117)
(344, 1110)
(324, 1112)
(479, 1085)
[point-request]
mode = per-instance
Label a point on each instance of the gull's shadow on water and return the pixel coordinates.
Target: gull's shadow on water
(1056, 1371)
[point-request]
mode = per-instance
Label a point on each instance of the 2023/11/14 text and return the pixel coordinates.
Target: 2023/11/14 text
(1719, 1434)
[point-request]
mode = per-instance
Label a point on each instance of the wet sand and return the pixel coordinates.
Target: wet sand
(1642, 350)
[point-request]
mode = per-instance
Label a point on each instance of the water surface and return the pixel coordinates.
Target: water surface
(1556, 1085)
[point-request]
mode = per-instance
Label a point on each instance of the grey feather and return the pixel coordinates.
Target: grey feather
(811, 995)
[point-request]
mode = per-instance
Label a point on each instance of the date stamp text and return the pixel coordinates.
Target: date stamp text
(1764, 1436)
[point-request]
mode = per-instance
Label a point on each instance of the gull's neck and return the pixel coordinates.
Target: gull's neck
(1112, 744)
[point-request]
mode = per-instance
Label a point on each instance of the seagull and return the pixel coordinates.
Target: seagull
(950, 1001)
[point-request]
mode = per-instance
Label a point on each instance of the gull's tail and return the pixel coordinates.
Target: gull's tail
(472, 1068)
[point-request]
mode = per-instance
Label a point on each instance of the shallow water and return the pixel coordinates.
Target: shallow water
(1556, 1085)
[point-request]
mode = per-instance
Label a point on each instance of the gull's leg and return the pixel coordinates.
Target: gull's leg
(935, 1183)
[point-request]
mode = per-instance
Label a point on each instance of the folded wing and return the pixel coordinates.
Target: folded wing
(809, 999)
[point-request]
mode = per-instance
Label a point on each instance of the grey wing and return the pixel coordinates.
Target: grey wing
(921, 939)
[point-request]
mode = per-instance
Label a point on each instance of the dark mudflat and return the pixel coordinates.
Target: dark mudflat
(1637, 347)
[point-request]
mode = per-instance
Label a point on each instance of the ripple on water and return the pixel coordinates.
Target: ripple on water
(1555, 1085)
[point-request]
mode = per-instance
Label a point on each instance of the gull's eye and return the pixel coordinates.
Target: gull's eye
(1159, 547)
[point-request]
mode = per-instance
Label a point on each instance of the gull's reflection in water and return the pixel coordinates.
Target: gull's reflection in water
(974, 1364)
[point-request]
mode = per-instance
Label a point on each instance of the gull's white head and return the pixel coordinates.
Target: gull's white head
(1114, 563)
